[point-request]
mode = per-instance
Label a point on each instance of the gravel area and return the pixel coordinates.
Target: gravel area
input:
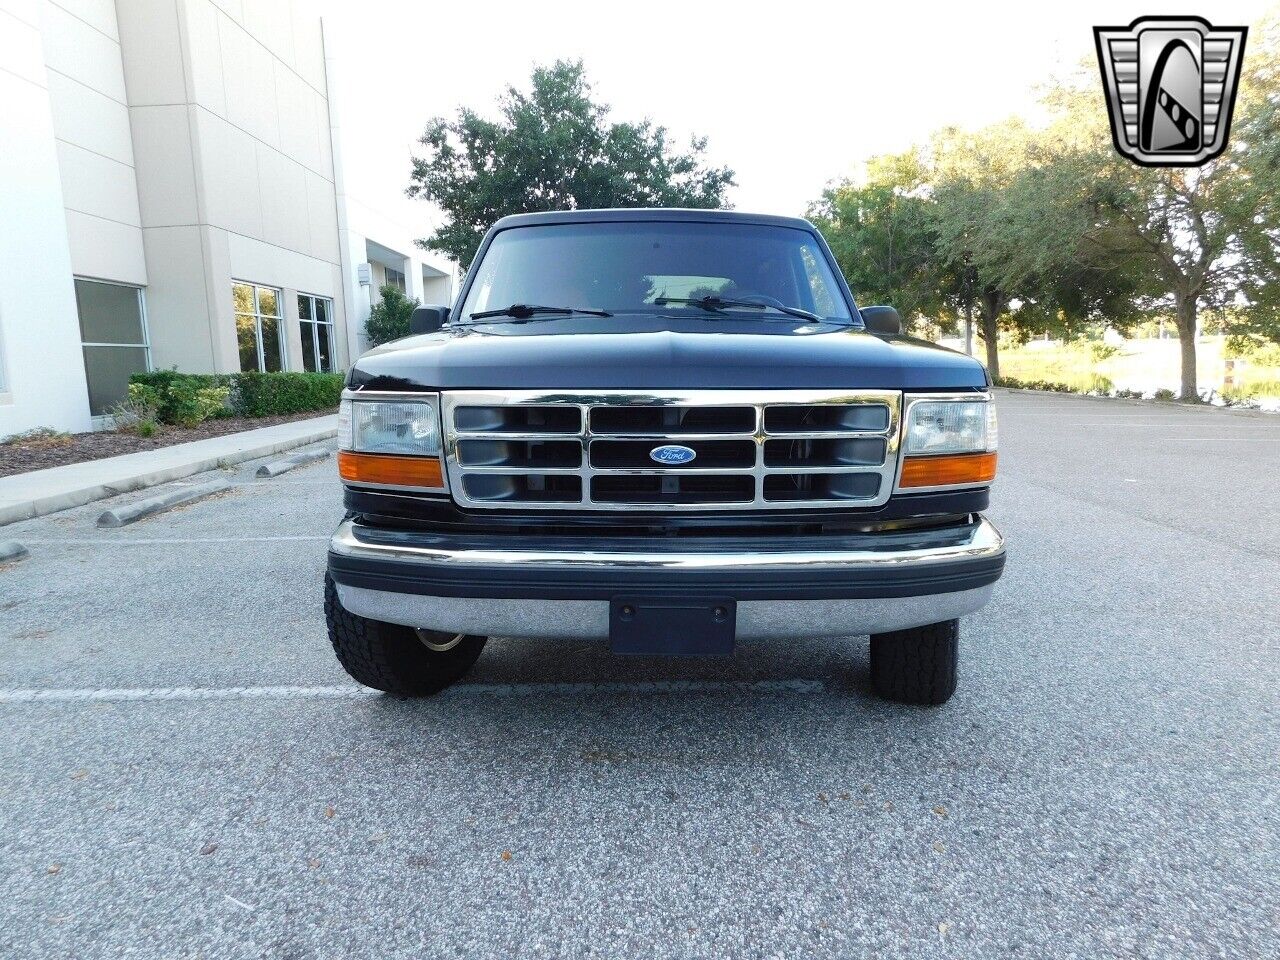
(185, 771)
(39, 452)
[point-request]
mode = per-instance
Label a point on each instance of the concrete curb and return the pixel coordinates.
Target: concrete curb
(1145, 402)
(28, 495)
(133, 512)
(12, 550)
(284, 465)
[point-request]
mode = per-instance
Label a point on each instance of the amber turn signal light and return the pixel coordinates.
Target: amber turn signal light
(389, 470)
(950, 470)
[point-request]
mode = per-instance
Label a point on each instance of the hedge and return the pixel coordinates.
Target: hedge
(249, 394)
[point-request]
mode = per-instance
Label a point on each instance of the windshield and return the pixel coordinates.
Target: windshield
(640, 267)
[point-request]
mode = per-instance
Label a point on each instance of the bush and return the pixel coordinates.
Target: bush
(188, 399)
(389, 318)
(1165, 395)
(139, 411)
(269, 394)
(1102, 351)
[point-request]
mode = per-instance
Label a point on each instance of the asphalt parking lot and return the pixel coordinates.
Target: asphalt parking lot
(185, 771)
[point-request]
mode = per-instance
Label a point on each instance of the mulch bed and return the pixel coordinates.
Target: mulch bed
(21, 456)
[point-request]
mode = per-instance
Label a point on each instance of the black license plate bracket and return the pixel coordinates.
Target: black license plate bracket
(657, 626)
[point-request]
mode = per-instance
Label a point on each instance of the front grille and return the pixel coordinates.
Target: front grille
(765, 450)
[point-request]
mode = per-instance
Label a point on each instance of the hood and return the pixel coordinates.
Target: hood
(649, 352)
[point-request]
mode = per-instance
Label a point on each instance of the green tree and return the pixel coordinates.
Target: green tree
(552, 148)
(389, 318)
(972, 175)
(1178, 236)
(1256, 140)
(882, 232)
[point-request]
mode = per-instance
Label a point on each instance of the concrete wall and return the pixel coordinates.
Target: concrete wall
(42, 381)
(94, 144)
(175, 145)
(229, 112)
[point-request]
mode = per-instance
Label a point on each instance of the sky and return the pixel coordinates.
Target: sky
(792, 96)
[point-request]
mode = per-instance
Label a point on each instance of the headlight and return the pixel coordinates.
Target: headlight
(391, 442)
(951, 426)
(949, 443)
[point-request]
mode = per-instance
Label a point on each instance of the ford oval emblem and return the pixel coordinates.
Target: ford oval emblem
(672, 454)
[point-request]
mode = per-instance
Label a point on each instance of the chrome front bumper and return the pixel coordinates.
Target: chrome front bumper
(876, 583)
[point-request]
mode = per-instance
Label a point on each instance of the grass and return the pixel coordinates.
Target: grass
(40, 437)
(1143, 366)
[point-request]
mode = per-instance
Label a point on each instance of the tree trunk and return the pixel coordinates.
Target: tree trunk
(968, 327)
(1187, 309)
(990, 312)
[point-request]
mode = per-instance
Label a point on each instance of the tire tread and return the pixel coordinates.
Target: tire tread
(917, 665)
(389, 657)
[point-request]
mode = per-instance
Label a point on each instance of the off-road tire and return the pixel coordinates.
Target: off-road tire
(389, 657)
(917, 665)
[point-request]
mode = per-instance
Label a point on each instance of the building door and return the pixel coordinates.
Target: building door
(113, 335)
(315, 318)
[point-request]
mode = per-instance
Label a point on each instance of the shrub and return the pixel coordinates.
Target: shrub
(389, 318)
(1165, 395)
(1128, 394)
(188, 399)
(268, 394)
(1102, 351)
(139, 411)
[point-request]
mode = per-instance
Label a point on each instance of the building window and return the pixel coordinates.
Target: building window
(395, 278)
(113, 336)
(315, 318)
(259, 331)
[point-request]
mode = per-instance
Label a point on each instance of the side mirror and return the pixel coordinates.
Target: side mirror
(881, 320)
(427, 319)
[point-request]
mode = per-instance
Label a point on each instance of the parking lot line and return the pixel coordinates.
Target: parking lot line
(37, 695)
(168, 541)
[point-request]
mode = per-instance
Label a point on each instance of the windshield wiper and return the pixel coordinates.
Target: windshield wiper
(720, 303)
(523, 311)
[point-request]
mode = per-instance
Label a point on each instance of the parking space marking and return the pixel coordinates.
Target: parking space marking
(346, 691)
(169, 541)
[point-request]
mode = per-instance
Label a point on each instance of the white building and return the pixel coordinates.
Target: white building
(171, 195)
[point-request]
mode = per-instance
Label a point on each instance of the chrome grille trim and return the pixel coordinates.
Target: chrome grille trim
(757, 400)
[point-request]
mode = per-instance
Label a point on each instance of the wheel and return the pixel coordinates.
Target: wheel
(396, 659)
(916, 665)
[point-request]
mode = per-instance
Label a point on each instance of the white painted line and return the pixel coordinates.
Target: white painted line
(169, 541)
(348, 692)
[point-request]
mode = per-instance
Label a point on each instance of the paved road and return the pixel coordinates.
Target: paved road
(1104, 783)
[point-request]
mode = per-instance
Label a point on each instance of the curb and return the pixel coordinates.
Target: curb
(277, 467)
(139, 476)
(133, 512)
(1144, 402)
(12, 550)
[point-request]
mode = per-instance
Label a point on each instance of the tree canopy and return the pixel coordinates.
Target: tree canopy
(1047, 228)
(552, 148)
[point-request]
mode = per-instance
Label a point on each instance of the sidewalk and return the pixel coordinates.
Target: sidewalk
(35, 494)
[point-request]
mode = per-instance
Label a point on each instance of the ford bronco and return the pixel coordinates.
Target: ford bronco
(671, 430)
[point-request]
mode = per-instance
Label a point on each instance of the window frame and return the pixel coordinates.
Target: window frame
(315, 341)
(144, 346)
(401, 281)
(257, 322)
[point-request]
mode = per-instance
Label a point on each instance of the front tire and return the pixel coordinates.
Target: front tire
(916, 665)
(393, 658)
